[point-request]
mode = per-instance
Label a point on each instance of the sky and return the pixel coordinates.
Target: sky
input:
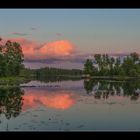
(56, 35)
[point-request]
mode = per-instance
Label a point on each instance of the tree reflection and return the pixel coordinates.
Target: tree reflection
(11, 101)
(111, 88)
(88, 85)
(135, 96)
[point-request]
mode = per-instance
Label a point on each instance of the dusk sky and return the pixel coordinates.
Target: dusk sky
(63, 33)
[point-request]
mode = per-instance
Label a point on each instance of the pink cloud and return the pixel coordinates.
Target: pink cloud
(34, 50)
(57, 48)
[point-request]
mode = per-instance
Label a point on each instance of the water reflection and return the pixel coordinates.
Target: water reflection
(11, 101)
(104, 89)
(53, 99)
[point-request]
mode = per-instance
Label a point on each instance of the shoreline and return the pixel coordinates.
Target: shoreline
(13, 80)
(21, 80)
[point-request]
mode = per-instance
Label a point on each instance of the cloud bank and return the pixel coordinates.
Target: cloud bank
(58, 53)
(33, 50)
(57, 48)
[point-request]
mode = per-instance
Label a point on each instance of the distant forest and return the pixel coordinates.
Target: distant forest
(52, 74)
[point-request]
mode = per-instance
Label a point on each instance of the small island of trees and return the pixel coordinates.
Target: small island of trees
(107, 66)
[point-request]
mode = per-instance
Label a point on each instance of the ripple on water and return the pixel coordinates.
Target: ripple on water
(54, 122)
(16, 128)
(42, 122)
(24, 123)
(80, 126)
(67, 123)
(35, 115)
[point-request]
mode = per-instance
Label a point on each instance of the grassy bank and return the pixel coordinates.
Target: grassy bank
(23, 79)
(13, 80)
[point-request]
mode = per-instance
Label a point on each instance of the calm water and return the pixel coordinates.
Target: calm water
(70, 106)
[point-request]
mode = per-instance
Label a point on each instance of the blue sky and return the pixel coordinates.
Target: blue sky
(90, 30)
(81, 26)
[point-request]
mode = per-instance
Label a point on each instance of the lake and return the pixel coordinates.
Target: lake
(79, 105)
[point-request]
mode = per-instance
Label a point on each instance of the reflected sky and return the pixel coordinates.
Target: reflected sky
(56, 100)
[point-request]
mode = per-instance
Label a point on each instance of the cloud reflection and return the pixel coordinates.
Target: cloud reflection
(58, 100)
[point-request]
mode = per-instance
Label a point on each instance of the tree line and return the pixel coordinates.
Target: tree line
(109, 66)
(49, 72)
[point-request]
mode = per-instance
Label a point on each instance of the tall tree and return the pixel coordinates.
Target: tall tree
(88, 67)
(14, 57)
(11, 58)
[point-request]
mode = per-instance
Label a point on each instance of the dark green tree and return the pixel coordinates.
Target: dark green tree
(14, 58)
(11, 59)
(88, 67)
